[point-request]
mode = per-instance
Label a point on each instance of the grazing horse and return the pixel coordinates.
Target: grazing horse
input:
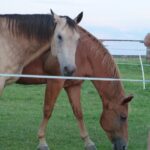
(92, 60)
(25, 37)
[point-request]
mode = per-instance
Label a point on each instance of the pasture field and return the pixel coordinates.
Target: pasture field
(21, 113)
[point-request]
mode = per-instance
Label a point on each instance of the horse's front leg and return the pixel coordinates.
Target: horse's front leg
(53, 88)
(74, 97)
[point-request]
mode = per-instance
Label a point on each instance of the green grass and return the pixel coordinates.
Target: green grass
(21, 113)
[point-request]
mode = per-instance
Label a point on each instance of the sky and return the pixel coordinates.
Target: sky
(108, 19)
(128, 19)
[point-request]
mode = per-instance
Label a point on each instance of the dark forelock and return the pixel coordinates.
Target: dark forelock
(70, 22)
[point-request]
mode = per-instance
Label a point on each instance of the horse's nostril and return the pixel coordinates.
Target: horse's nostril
(66, 70)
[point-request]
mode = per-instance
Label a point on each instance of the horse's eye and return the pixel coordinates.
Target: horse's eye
(59, 37)
(123, 117)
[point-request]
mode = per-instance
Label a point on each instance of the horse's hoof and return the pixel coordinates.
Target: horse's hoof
(90, 147)
(43, 147)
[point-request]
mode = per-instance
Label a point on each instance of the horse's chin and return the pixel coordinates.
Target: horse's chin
(119, 144)
(115, 147)
(122, 148)
(68, 74)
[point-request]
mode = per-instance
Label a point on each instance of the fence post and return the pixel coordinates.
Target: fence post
(148, 142)
(148, 54)
(147, 44)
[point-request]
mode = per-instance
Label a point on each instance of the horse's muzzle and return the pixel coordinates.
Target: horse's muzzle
(119, 144)
(68, 70)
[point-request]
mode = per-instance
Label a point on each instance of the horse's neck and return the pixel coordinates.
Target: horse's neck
(103, 66)
(20, 51)
(19, 42)
(40, 50)
(108, 90)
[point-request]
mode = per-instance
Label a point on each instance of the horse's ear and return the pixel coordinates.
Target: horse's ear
(79, 18)
(56, 17)
(127, 99)
(52, 13)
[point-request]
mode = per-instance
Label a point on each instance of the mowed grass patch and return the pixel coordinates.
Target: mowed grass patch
(21, 113)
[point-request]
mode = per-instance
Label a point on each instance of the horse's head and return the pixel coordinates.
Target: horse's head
(114, 121)
(65, 41)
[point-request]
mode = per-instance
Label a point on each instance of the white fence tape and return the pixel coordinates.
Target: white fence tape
(142, 69)
(71, 78)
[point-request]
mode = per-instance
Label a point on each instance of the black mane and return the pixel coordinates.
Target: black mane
(38, 26)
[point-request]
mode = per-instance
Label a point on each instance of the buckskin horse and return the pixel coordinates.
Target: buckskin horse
(92, 60)
(25, 37)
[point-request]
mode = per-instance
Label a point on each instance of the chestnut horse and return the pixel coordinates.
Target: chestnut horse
(92, 60)
(25, 37)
